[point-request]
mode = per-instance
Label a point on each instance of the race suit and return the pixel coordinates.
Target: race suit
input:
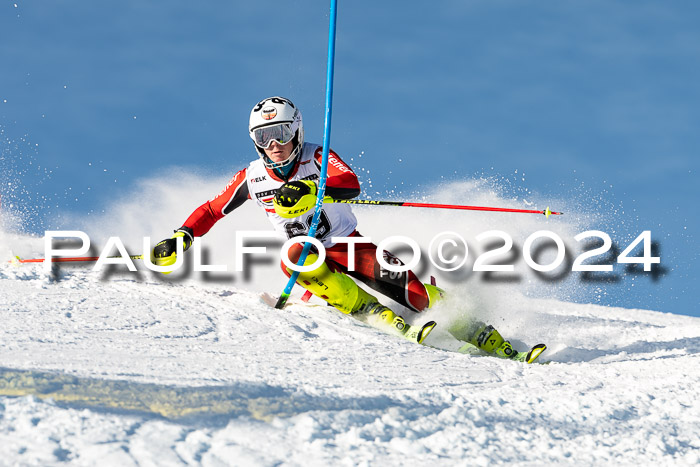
(258, 183)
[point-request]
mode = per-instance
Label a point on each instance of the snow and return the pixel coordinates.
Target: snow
(134, 371)
(121, 368)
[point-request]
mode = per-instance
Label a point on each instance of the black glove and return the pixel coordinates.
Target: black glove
(167, 247)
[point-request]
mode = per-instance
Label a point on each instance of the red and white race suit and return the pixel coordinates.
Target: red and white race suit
(260, 184)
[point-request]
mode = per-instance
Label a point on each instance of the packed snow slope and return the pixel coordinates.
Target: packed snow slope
(134, 371)
(134, 368)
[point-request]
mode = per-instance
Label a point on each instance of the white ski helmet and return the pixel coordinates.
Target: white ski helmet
(276, 119)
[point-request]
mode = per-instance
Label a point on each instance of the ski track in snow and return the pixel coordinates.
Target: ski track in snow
(310, 386)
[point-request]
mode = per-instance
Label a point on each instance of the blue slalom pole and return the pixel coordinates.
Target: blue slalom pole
(324, 160)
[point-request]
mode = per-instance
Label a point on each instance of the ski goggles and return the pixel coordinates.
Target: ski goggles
(281, 134)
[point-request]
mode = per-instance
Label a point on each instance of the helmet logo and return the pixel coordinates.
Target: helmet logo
(268, 113)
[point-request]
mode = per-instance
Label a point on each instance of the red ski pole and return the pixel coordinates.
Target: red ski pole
(547, 212)
(75, 259)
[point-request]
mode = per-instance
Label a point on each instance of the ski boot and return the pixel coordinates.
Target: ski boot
(435, 294)
(489, 340)
(382, 317)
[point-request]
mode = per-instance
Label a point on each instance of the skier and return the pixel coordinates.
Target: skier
(283, 182)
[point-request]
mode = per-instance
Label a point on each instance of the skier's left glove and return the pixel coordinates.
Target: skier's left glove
(294, 199)
(165, 252)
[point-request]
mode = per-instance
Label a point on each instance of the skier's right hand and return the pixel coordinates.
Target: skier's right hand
(165, 252)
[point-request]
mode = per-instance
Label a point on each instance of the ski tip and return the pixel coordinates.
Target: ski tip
(272, 301)
(268, 299)
(425, 330)
(535, 352)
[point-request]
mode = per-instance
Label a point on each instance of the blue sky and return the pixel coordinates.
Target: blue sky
(593, 100)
